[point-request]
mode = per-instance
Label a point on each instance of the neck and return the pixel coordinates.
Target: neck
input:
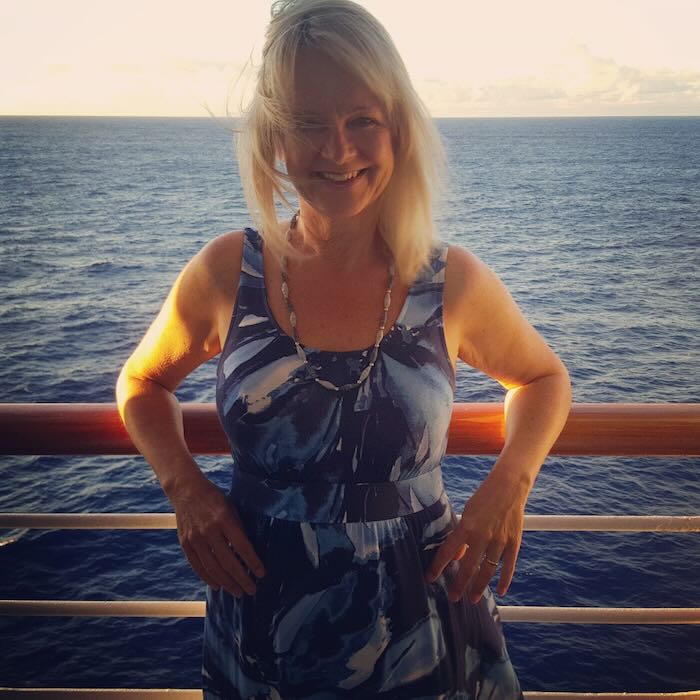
(344, 243)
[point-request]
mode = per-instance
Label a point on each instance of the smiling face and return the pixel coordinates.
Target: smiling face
(339, 153)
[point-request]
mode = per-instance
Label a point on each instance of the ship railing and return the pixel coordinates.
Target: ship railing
(475, 429)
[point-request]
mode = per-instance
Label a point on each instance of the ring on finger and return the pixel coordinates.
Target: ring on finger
(490, 561)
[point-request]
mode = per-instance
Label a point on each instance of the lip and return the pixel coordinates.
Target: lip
(341, 183)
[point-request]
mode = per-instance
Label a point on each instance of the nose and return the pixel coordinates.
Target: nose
(337, 144)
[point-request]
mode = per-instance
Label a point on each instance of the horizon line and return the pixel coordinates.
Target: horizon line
(468, 116)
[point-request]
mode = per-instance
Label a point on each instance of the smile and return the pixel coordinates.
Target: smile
(341, 177)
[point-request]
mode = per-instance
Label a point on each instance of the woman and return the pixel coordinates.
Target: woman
(335, 566)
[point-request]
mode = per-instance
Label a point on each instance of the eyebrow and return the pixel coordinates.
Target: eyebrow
(367, 108)
(359, 108)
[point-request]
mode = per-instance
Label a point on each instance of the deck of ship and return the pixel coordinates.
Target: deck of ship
(592, 429)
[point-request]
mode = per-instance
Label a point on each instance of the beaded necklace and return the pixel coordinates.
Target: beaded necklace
(293, 322)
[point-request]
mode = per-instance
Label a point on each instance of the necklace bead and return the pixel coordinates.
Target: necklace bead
(301, 353)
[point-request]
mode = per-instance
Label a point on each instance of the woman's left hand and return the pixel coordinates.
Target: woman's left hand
(489, 532)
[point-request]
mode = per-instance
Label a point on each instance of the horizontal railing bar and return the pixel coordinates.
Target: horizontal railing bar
(536, 695)
(475, 428)
(102, 608)
(613, 523)
(184, 694)
(599, 616)
(195, 608)
(89, 521)
(102, 693)
(166, 521)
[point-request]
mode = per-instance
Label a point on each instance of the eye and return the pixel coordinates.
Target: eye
(364, 121)
(305, 123)
(307, 126)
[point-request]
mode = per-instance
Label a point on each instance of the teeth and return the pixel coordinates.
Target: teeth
(340, 177)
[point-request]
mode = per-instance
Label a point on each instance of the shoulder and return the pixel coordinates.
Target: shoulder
(465, 275)
(206, 288)
(474, 296)
(219, 253)
(216, 267)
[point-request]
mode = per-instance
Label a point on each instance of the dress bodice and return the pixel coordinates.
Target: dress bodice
(283, 425)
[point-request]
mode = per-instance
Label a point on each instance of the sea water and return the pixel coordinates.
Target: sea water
(593, 224)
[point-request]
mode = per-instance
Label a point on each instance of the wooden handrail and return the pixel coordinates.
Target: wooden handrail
(192, 694)
(476, 428)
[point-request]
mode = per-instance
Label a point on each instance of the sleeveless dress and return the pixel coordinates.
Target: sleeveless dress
(341, 496)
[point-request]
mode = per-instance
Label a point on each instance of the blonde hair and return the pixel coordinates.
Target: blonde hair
(360, 45)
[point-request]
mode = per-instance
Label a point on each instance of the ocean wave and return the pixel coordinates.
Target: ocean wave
(609, 278)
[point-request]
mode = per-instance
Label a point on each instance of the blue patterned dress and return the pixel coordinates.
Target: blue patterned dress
(341, 496)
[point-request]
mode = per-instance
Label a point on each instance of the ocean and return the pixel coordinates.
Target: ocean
(592, 223)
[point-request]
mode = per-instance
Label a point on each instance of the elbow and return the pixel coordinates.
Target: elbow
(565, 379)
(561, 394)
(131, 385)
(559, 382)
(122, 391)
(128, 386)
(553, 386)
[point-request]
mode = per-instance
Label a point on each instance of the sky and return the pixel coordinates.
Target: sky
(467, 58)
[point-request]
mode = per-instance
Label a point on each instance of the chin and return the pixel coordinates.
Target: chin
(339, 205)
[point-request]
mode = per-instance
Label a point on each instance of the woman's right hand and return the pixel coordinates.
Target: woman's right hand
(212, 536)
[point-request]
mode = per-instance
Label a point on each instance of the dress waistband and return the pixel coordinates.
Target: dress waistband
(326, 502)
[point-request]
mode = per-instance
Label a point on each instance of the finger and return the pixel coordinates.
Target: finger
(231, 564)
(214, 568)
(445, 554)
(460, 552)
(468, 567)
(242, 546)
(199, 568)
(487, 569)
(510, 556)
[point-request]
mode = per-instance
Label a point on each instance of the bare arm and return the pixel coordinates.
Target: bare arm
(490, 333)
(184, 335)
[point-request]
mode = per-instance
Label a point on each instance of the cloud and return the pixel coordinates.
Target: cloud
(572, 81)
(576, 82)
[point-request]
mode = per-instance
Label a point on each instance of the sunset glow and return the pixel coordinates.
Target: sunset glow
(541, 58)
